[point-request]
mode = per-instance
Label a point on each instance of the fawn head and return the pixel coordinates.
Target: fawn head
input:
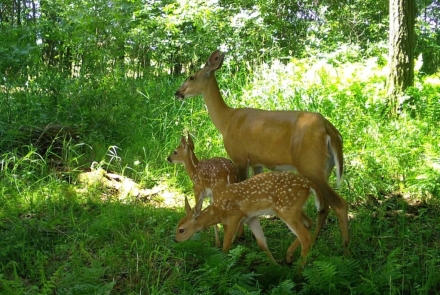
(183, 151)
(188, 225)
(195, 84)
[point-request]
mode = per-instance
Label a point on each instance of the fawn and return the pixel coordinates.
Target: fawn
(273, 193)
(209, 177)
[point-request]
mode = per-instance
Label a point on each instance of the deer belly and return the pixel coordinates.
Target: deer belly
(250, 215)
(283, 167)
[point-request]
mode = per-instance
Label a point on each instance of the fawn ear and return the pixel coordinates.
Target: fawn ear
(198, 208)
(190, 142)
(187, 206)
(183, 142)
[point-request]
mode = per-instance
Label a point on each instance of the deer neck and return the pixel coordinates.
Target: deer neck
(217, 108)
(207, 218)
(191, 164)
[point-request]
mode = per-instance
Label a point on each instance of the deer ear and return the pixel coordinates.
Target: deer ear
(183, 142)
(198, 208)
(187, 206)
(215, 61)
(190, 142)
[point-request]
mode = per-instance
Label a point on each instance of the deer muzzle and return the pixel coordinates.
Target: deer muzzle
(179, 94)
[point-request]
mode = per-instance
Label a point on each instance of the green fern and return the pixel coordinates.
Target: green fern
(285, 288)
(87, 280)
(331, 276)
(240, 290)
(322, 275)
(218, 273)
(50, 286)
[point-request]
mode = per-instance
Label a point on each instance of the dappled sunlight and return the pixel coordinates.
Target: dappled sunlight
(116, 187)
(312, 80)
(434, 80)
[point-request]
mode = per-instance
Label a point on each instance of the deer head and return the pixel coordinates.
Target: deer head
(194, 84)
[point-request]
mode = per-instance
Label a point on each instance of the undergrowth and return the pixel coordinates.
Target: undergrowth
(55, 238)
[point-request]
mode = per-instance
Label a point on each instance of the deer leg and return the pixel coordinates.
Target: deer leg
(217, 238)
(243, 169)
(291, 249)
(240, 230)
(340, 206)
(218, 243)
(255, 226)
(303, 235)
(322, 216)
(306, 220)
(335, 201)
(229, 231)
(308, 224)
(342, 214)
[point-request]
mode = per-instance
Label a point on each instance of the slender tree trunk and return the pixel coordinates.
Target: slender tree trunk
(401, 49)
(18, 13)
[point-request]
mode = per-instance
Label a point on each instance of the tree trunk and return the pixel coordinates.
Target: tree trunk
(401, 49)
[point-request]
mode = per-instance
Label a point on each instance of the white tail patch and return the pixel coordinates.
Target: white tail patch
(318, 204)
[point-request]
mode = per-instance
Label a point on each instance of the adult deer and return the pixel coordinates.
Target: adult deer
(209, 177)
(278, 140)
(275, 193)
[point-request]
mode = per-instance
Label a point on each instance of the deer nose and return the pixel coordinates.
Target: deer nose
(179, 94)
(169, 159)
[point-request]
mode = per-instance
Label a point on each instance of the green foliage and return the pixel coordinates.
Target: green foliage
(110, 71)
(90, 38)
(220, 274)
(332, 276)
(358, 22)
(428, 37)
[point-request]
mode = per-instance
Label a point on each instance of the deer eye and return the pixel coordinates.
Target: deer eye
(175, 152)
(192, 78)
(181, 230)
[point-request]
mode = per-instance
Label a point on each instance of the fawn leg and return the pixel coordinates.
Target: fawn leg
(255, 227)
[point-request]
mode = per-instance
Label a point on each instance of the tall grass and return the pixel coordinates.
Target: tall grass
(55, 238)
